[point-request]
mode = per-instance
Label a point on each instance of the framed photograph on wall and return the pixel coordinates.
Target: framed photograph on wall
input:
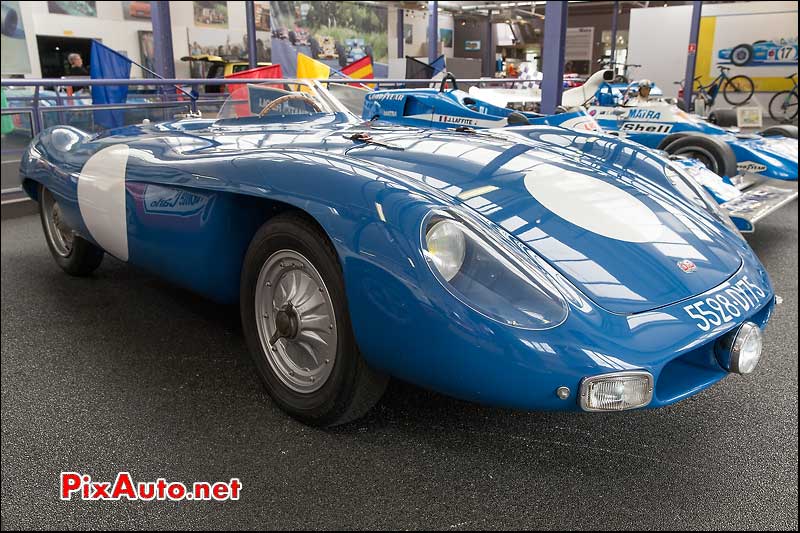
(472, 46)
(210, 14)
(408, 33)
(76, 9)
(446, 37)
(147, 51)
(136, 10)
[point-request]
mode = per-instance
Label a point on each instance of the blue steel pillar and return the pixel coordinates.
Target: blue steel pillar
(252, 49)
(488, 48)
(162, 39)
(401, 33)
(614, 34)
(555, 37)
(433, 31)
(688, 80)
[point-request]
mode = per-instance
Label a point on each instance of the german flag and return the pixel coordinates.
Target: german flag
(360, 70)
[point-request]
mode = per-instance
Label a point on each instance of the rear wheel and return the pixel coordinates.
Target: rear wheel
(297, 326)
(723, 117)
(74, 254)
(741, 55)
(713, 153)
(738, 90)
(783, 106)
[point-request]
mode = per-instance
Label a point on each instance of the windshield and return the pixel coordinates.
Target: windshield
(296, 98)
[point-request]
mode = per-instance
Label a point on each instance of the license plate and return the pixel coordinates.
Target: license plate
(726, 304)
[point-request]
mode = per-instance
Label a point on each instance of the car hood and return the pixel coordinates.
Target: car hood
(598, 209)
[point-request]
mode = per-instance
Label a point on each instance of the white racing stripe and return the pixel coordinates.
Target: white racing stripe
(593, 204)
(101, 199)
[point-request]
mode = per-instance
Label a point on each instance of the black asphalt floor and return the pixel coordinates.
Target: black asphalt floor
(123, 372)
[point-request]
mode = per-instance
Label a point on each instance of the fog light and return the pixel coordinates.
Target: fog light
(616, 391)
(740, 350)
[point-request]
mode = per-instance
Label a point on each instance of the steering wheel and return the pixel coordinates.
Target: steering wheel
(447, 77)
(285, 98)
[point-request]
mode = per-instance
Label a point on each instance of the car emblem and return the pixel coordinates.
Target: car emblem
(687, 266)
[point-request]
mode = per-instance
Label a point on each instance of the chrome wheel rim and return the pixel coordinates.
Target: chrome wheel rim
(59, 233)
(296, 321)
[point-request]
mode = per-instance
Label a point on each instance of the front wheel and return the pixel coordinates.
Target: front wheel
(74, 254)
(738, 90)
(783, 106)
(297, 325)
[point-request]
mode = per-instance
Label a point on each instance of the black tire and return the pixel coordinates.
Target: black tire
(741, 55)
(723, 117)
(672, 137)
(782, 130)
(712, 152)
(783, 106)
(738, 90)
(82, 258)
(352, 387)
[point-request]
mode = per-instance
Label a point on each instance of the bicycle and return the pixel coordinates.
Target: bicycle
(783, 105)
(736, 90)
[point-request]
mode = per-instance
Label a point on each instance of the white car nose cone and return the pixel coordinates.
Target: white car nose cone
(593, 204)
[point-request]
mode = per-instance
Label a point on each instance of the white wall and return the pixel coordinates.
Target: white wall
(659, 36)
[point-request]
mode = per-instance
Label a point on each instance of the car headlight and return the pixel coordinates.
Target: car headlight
(489, 277)
(689, 187)
(616, 391)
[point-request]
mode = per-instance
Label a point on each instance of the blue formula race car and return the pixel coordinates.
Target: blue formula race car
(535, 267)
(743, 164)
(781, 52)
(753, 163)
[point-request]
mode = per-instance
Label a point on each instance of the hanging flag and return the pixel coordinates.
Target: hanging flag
(417, 70)
(240, 91)
(360, 70)
(109, 64)
(438, 64)
(308, 67)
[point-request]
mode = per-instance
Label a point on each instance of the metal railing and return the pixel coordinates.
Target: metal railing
(41, 106)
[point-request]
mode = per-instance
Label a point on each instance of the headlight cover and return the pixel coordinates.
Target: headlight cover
(696, 193)
(487, 276)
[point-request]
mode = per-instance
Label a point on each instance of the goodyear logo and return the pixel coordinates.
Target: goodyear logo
(646, 127)
(385, 96)
(750, 166)
(644, 114)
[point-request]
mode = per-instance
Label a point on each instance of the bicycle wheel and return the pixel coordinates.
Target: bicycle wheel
(738, 90)
(783, 106)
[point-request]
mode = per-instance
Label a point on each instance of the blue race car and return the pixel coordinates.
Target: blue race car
(782, 52)
(748, 161)
(740, 162)
(536, 268)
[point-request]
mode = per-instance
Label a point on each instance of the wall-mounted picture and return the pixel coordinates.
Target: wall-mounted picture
(76, 9)
(15, 59)
(137, 9)
(211, 14)
(408, 33)
(262, 16)
(472, 46)
(147, 51)
(446, 37)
